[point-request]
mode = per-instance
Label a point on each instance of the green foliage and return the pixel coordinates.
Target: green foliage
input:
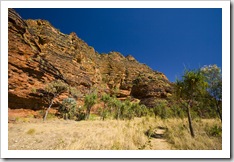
(121, 110)
(69, 108)
(81, 113)
(51, 116)
(115, 91)
(177, 111)
(116, 105)
(104, 113)
(105, 98)
(51, 91)
(116, 146)
(90, 100)
(215, 131)
(140, 110)
(213, 77)
(150, 132)
(192, 85)
(93, 117)
(31, 131)
(161, 109)
(127, 110)
(189, 91)
(56, 87)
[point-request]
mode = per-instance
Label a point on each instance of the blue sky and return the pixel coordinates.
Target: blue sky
(167, 40)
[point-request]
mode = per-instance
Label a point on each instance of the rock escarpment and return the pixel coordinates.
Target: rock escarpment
(38, 53)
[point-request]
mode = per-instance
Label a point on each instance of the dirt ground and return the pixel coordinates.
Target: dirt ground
(160, 143)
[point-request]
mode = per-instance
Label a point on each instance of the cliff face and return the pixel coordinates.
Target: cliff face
(38, 53)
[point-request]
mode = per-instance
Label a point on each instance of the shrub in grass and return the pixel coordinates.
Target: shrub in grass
(68, 108)
(31, 131)
(215, 131)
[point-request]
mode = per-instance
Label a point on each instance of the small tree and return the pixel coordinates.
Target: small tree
(90, 100)
(51, 91)
(68, 108)
(116, 104)
(191, 86)
(106, 99)
(127, 111)
(213, 76)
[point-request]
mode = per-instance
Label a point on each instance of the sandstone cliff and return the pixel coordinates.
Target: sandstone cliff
(38, 53)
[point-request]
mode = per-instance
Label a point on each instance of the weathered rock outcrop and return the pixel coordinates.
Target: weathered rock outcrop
(38, 53)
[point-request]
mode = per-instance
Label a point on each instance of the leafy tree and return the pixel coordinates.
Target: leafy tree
(90, 100)
(116, 104)
(105, 110)
(213, 77)
(188, 89)
(127, 111)
(51, 91)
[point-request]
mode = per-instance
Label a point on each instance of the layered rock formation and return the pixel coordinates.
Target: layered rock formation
(38, 53)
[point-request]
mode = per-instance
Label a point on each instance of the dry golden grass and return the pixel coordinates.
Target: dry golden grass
(58, 134)
(178, 134)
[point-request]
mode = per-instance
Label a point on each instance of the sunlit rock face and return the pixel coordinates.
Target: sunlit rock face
(38, 53)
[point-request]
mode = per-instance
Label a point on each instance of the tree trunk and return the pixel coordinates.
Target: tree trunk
(48, 110)
(103, 113)
(118, 113)
(87, 113)
(190, 122)
(218, 111)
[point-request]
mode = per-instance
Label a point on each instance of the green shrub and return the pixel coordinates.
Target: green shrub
(103, 112)
(68, 108)
(215, 131)
(161, 109)
(90, 100)
(31, 131)
(127, 110)
(177, 111)
(80, 114)
(140, 110)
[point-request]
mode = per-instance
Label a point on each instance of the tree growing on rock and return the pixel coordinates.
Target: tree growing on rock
(51, 91)
(188, 89)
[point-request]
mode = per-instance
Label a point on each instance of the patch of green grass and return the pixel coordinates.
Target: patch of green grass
(51, 116)
(116, 146)
(215, 131)
(93, 117)
(31, 131)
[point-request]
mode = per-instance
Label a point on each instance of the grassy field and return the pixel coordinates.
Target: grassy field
(137, 134)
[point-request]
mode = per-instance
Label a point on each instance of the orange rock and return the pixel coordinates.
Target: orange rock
(38, 53)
